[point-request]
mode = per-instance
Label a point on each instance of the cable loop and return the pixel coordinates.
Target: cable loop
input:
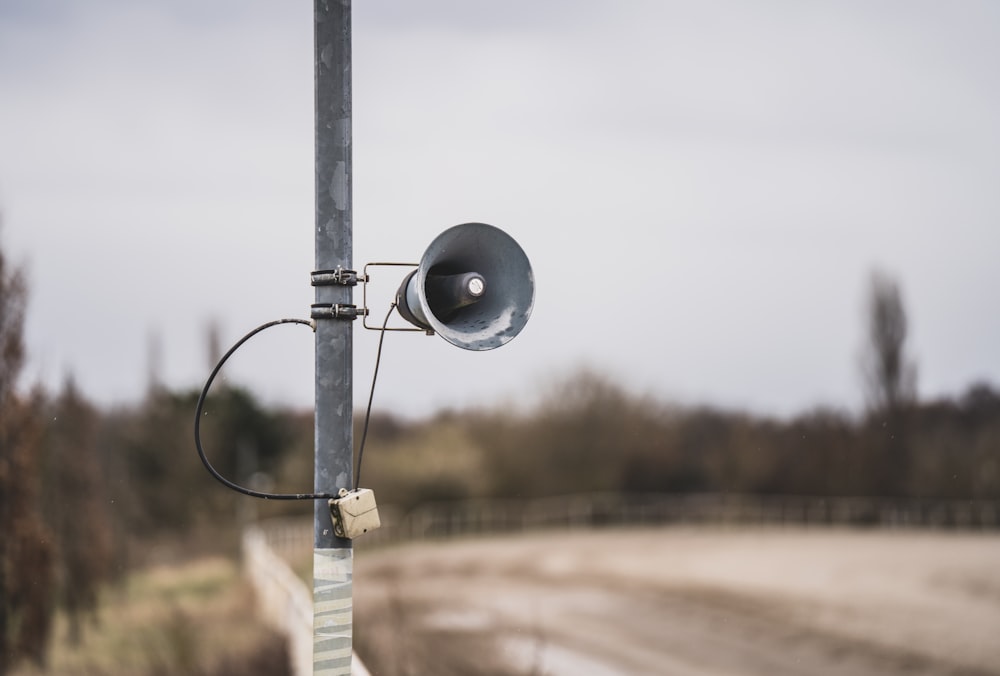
(201, 405)
(199, 409)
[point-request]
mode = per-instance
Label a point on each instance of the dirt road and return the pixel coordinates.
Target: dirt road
(683, 601)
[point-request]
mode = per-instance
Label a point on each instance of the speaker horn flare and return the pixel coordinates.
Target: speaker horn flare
(474, 287)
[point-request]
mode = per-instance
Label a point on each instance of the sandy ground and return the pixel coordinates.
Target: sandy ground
(683, 601)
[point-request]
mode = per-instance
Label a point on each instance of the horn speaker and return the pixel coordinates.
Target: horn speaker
(474, 287)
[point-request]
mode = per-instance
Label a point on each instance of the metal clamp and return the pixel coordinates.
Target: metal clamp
(338, 277)
(336, 311)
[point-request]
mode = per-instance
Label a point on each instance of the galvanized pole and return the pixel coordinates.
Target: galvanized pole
(333, 556)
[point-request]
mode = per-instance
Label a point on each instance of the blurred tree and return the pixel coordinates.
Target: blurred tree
(890, 379)
(890, 376)
(981, 414)
(955, 446)
(76, 504)
(161, 486)
(438, 460)
(587, 427)
(816, 455)
(25, 546)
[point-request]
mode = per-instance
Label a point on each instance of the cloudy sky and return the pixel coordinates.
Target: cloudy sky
(703, 188)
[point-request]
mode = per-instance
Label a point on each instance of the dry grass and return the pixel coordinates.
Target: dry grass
(194, 618)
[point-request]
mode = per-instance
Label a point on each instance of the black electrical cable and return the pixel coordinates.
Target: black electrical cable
(371, 395)
(199, 409)
(198, 414)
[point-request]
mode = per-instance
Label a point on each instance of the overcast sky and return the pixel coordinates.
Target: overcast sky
(703, 188)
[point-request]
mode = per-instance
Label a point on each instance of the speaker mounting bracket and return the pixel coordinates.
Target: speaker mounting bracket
(364, 279)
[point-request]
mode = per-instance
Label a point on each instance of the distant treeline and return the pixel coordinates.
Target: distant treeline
(592, 435)
(105, 478)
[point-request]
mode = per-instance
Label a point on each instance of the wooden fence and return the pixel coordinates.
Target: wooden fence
(450, 519)
(289, 538)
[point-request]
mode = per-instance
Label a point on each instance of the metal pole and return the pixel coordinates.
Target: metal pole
(333, 556)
